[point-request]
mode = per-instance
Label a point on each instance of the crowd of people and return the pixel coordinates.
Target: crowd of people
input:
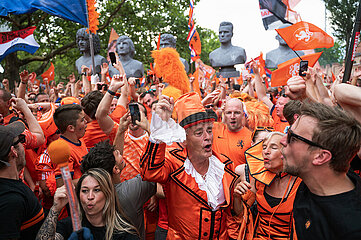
(223, 161)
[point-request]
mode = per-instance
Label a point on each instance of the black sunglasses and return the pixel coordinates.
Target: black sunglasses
(259, 129)
(291, 134)
(21, 139)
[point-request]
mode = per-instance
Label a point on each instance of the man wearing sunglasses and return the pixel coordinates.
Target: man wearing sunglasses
(21, 213)
(318, 148)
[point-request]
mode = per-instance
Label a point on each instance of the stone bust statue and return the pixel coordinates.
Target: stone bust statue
(82, 41)
(227, 55)
(168, 40)
(281, 54)
(126, 50)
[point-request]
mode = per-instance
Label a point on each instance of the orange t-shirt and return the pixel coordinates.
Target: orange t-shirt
(133, 151)
(279, 125)
(94, 134)
(78, 150)
(231, 144)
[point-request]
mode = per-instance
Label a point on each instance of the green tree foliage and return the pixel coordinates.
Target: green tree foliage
(343, 13)
(331, 55)
(142, 21)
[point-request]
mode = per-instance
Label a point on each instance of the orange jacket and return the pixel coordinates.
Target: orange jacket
(189, 215)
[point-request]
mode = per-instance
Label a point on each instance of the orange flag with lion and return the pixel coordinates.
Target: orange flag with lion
(290, 69)
(304, 36)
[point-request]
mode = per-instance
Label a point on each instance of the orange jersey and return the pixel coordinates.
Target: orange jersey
(78, 150)
(281, 222)
(133, 151)
(94, 134)
(231, 144)
(279, 125)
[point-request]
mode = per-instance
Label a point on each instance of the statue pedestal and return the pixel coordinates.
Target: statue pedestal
(228, 72)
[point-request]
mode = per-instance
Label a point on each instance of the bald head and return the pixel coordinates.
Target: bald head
(234, 102)
(234, 115)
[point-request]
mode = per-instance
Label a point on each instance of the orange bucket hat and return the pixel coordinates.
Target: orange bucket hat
(190, 110)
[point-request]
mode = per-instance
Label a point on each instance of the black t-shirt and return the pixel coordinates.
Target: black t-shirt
(328, 217)
(65, 228)
(19, 208)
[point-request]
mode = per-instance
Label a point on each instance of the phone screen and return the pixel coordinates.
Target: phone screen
(113, 59)
(303, 68)
(134, 112)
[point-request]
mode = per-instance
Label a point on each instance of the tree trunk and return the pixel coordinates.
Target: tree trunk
(12, 70)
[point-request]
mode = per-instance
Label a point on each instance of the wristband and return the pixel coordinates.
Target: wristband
(111, 92)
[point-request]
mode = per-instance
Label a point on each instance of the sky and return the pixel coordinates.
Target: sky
(248, 30)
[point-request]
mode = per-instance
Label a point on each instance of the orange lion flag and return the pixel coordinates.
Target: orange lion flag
(304, 36)
(49, 74)
(290, 68)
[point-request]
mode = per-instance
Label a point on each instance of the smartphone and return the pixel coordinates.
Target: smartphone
(113, 59)
(303, 68)
(99, 87)
(134, 112)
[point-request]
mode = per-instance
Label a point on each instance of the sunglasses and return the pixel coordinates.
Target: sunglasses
(260, 129)
(21, 139)
(291, 134)
(149, 91)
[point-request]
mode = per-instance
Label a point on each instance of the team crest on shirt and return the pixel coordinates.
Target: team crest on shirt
(240, 143)
(307, 224)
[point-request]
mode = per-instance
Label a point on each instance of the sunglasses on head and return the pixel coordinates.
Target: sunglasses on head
(291, 134)
(260, 129)
(148, 91)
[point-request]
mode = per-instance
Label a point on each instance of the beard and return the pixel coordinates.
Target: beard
(293, 170)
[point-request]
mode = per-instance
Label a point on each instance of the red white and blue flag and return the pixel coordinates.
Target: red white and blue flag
(21, 40)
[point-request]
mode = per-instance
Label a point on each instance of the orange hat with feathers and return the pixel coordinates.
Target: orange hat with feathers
(171, 69)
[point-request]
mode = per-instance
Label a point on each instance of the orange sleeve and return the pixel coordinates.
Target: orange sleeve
(118, 112)
(154, 167)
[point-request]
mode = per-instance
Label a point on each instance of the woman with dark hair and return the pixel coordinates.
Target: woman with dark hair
(99, 210)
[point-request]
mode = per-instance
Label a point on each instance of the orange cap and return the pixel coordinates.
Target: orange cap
(69, 100)
(190, 110)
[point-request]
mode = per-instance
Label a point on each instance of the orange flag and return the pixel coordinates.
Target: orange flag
(196, 82)
(49, 74)
(304, 36)
(113, 36)
(290, 68)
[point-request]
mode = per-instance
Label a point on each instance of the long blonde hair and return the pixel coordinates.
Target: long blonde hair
(113, 216)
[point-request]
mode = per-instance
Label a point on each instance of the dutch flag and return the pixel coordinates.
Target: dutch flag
(21, 40)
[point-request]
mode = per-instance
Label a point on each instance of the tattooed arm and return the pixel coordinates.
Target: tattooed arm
(47, 230)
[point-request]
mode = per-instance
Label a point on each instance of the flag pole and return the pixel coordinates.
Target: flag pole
(90, 41)
(350, 56)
